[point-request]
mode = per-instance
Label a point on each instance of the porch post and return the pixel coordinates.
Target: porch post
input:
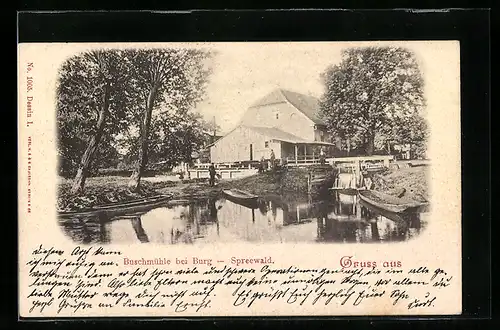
(357, 172)
(296, 154)
(305, 152)
(386, 162)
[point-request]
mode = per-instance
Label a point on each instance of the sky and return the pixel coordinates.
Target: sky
(246, 72)
(243, 72)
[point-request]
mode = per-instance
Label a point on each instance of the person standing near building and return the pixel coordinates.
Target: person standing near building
(322, 156)
(212, 173)
(262, 166)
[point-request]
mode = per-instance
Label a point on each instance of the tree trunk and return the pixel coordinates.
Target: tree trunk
(135, 179)
(370, 144)
(83, 169)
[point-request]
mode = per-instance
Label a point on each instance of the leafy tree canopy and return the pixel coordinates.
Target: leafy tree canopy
(374, 91)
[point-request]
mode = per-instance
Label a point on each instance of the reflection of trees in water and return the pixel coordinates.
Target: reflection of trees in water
(206, 215)
(397, 232)
(139, 230)
(212, 210)
(321, 211)
(336, 221)
(339, 231)
(374, 231)
(262, 205)
(103, 229)
(413, 219)
(87, 230)
(206, 212)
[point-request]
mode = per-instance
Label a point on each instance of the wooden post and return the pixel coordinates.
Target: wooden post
(357, 170)
(296, 154)
(309, 182)
(386, 162)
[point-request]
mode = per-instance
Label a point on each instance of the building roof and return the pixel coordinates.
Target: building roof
(306, 104)
(275, 133)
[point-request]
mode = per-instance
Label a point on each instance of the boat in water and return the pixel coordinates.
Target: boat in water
(242, 197)
(346, 191)
(388, 202)
(113, 209)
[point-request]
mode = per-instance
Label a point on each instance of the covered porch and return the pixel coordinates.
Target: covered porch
(304, 153)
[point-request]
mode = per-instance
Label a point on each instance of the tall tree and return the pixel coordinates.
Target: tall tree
(177, 137)
(374, 90)
(91, 93)
(172, 78)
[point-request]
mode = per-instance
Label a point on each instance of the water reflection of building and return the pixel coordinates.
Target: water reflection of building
(287, 213)
(202, 219)
(347, 220)
(344, 219)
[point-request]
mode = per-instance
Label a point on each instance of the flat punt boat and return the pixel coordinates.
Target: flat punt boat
(396, 217)
(346, 191)
(242, 197)
(388, 202)
(133, 206)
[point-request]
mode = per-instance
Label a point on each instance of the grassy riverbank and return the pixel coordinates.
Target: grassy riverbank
(111, 189)
(292, 183)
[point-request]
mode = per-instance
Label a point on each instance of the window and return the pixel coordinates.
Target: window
(266, 144)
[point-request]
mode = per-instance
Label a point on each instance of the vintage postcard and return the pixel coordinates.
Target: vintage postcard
(239, 179)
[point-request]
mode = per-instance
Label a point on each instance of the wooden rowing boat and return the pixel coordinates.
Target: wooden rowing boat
(240, 194)
(346, 191)
(242, 197)
(396, 217)
(388, 202)
(109, 210)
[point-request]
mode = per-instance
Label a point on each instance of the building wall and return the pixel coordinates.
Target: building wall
(235, 146)
(283, 116)
(321, 134)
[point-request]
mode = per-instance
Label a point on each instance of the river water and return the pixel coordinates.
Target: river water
(341, 219)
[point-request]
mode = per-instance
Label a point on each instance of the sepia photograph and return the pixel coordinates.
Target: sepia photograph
(199, 168)
(286, 178)
(202, 143)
